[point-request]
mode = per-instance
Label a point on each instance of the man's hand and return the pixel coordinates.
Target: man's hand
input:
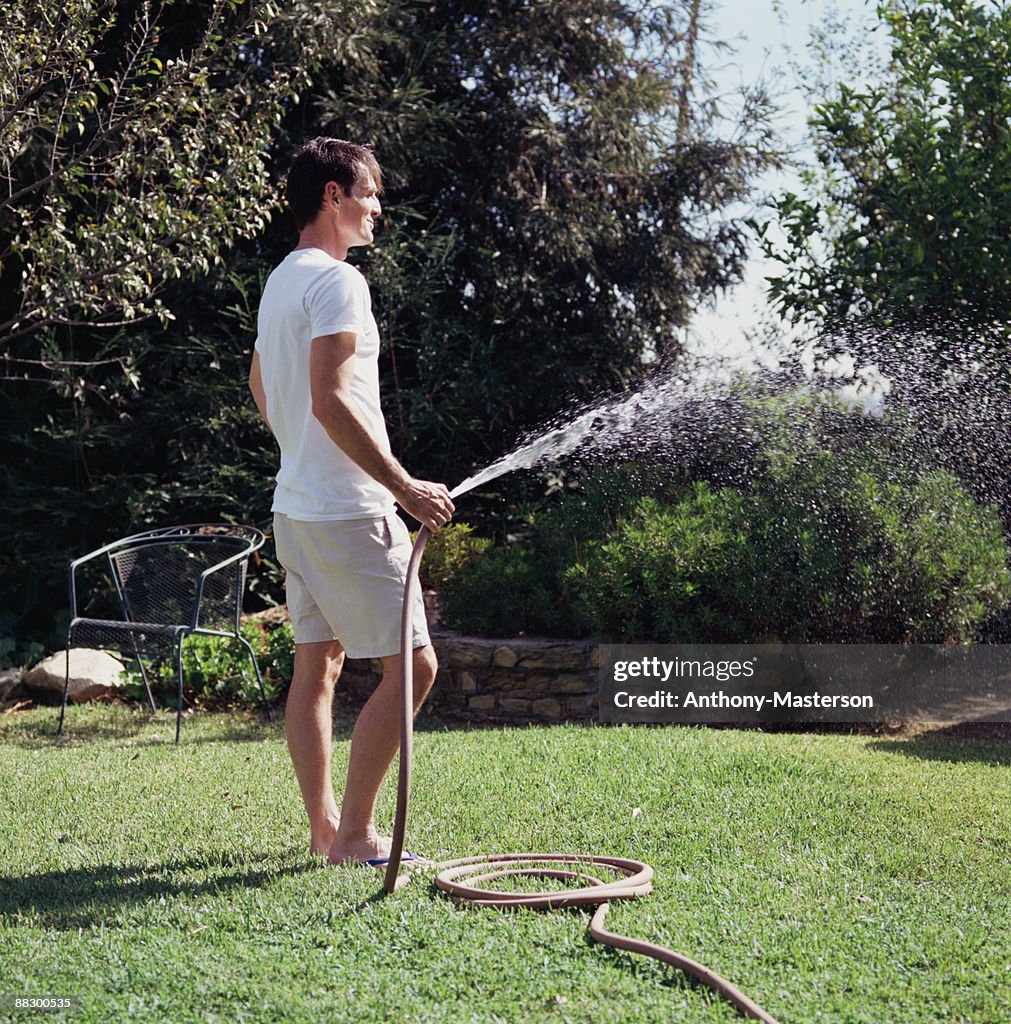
(428, 502)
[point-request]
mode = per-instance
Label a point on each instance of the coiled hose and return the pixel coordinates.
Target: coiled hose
(463, 879)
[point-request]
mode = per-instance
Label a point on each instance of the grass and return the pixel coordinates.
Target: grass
(836, 879)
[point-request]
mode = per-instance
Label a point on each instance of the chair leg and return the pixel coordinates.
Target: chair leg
(179, 676)
(259, 677)
(143, 675)
(66, 690)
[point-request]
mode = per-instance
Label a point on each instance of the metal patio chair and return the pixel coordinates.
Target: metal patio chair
(170, 584)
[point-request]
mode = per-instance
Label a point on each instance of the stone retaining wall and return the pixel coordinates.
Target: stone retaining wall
(517, 680)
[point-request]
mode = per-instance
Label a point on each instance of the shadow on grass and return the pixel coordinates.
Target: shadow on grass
(969, 742)
(86, 897)
(137, 728)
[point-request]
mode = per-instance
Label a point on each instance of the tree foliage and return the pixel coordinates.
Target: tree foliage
(134, 149)
(557, 175)
(559, 181)
(137, 143)
(913, 225)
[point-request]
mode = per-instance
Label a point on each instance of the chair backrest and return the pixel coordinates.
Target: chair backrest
(158, 575)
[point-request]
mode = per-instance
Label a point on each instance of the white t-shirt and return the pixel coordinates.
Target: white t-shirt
(308, 295)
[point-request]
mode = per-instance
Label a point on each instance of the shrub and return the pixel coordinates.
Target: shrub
(16, 652)
(663, 575)
(278, 664)
(851, 547)
(218, 668)
(448, 551)
(505, 593)
(809, 555)
(521, 587)
(817, 524)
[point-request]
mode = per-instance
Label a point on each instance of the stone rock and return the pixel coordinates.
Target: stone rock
(468, 655)
(575, 684)
(548, 707)
(504, 681)
(92, 674)
(520, 693)
(561, 656)
(505, 657)
(433, 611)
(579, 707)
(9, 679)
(271, 618)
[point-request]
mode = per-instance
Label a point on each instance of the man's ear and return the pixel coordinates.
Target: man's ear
(332, 191)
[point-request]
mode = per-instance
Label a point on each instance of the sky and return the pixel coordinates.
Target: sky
(768, 40)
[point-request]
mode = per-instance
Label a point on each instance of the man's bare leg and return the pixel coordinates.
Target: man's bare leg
(308, 726)
(374, 744)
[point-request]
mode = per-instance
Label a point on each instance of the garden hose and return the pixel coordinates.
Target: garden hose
(464, 879)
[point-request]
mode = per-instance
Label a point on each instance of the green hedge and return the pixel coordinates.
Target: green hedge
(834, 562)
(521, 586)
(827, 539)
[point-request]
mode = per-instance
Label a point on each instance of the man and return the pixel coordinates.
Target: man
(315, 380)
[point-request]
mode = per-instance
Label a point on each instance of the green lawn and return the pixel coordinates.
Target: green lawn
(839, 879)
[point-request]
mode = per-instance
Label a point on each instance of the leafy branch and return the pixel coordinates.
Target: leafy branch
(135, 146)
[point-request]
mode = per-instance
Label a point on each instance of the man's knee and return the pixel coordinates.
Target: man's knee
(425, 667)
(318, 666)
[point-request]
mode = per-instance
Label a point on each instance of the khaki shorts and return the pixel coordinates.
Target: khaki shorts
(345, 581)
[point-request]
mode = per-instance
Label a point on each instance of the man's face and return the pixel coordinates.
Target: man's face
(355, 214)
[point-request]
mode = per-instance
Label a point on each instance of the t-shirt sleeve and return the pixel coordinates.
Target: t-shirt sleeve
(334, 302)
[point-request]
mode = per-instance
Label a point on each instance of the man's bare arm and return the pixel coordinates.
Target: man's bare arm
(256, 386)
(331, 371)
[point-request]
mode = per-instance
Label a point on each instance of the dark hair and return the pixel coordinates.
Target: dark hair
(321, 160)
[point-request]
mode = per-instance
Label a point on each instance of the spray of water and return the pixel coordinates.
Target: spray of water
(954, 408)
(600, 428)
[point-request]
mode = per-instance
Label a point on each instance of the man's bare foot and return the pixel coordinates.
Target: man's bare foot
(319, 845)
(361, 847)
(357, 848)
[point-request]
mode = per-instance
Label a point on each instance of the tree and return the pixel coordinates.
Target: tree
(559, 185)
(913, 223)
(137, 144)
(134, 149)
(557, 177)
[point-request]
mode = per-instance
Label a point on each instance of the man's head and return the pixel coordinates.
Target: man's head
(325, 168)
